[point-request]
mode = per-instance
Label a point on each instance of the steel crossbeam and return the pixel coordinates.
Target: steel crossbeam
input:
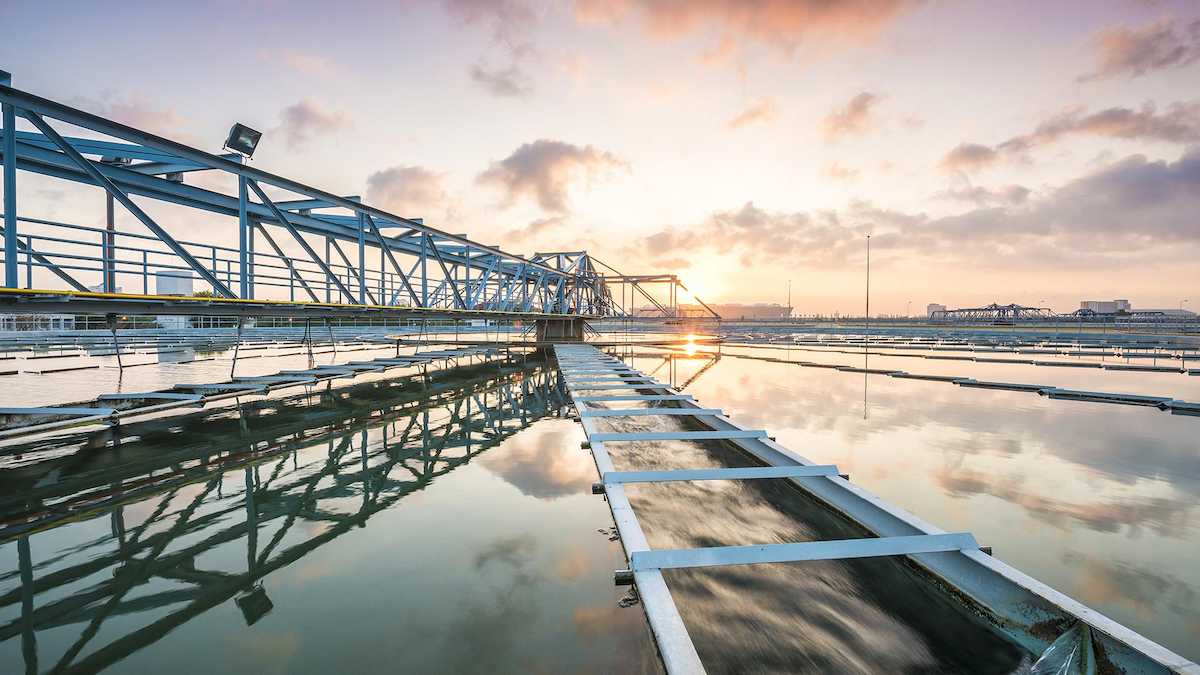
(737, 473)
(840, 549)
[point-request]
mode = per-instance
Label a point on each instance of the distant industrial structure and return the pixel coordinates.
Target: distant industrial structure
(738, 312)
(1089, 310)
(993, 312)
(1106, 306)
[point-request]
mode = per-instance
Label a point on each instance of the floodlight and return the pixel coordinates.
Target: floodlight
(242, 139)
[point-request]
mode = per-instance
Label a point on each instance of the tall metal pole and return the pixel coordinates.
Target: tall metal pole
(868, 340)
(10, 189)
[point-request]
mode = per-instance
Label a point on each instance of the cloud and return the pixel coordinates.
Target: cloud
(535, 228)
(304, 120)
(406, 191)
(762, 111)
(301, 62)
(545, 169)
(720, 52)
(135, 112)
(509, 20)
(836, 171)
(783, 24)
(1010, 195)
(1179, 123)
(852, 118)
(1137, 51)
(510, 82)
(968, 157)
(1123, 210)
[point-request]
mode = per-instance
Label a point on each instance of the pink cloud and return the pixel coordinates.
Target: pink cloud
(781, 23)
(761, 112)
(1137, 51)
(304, 120)
(853, 118)
(545, 169)
(407, 191)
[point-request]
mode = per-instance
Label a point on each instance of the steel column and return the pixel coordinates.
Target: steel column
(10, 195)
(243, 239)
(362, 259)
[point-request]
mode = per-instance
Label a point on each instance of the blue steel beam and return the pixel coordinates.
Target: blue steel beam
(102, 181)
(357, 272)
(392, 259)
(530, 280)
(218, 203)
(37, 104)
(446, 273)
(283, 220)
(287, 261)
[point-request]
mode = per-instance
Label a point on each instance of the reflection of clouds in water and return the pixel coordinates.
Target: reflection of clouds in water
(515, 552)
(1155, 597)
(1167, 517)
(544, 461)
(1122, 442)
(572, 565)
(592, 623)
(1141, 590)
(486, 633)
(275, 650)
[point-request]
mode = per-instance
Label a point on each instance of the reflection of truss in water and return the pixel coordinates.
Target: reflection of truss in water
(669, 359)
(378, 453)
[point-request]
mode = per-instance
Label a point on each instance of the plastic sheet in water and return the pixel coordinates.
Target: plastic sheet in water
(1070, 654)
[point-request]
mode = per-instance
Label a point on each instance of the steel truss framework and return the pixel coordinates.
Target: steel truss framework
(350, 254)
(378, 454)
(660, 291)
(993, 312)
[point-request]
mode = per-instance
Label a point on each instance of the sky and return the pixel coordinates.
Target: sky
(1030, 152)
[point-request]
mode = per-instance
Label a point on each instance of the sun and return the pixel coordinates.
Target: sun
(705, 288)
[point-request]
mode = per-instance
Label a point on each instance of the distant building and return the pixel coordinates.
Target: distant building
(733, 311)
(1106, 306)
(1174, 312)
(175, 282)
(933, 307)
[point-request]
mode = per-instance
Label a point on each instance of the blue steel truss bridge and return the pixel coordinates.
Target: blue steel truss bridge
(277, 247)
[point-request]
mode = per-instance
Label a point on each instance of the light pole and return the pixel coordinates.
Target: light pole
(868, 341)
